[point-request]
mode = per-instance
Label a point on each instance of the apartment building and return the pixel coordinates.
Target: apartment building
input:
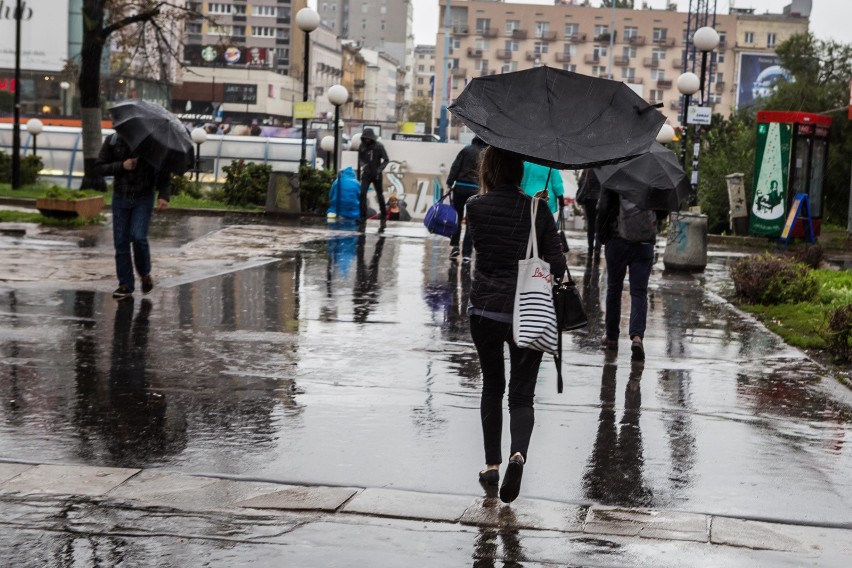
(648, 46)
(423, 71)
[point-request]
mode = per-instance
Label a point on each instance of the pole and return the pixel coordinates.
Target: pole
(303, 161)
(611, 39)
(16, 127)
(703, 71)
(35, 146)
(336, 135)
(198, 163)
(445, 98)
(684, 129)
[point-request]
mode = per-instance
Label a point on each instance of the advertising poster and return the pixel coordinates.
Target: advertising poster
(759, 73)
(771, 164)
(44, 35)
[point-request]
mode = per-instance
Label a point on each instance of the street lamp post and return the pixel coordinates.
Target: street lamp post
(705, 40)
(688, 84)
(35, 127)
(16, 125)
(64, 86)
(199, 137)
(337, 95)
(666, 134)
(355, 144)
(307, 19)
(327, 146)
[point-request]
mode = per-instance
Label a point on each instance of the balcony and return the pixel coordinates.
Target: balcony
(473, 52)
(460, 29)
(533, 55)
(461, 72)
(359, 83)
(602, 37)
(664, 41)
(504, 54)
(488, 32)
(576, 38)
(637, 41)
(563, 57)
(664, 84)
(546, 36)
(590, 59)
(621, 60)
(677, 64)
(720, 86)
(519, 34)
(633, 80)
(651, 62)
(653, 102)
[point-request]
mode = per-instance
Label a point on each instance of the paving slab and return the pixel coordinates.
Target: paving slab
(409, 505)
(647, 523)
(302, 499)
(755, 534)
(68, 480)
(525, 514)
(10, 470)
(153, 486)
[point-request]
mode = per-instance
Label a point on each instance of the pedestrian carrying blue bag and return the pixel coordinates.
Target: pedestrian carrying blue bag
(442, 218)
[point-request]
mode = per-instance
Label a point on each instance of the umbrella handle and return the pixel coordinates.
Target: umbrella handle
(647, 108)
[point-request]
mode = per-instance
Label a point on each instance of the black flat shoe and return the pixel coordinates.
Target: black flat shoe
(489, 477)
(512, 480)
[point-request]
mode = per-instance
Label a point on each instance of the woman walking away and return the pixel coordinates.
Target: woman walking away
(499, 221)
(588, 196)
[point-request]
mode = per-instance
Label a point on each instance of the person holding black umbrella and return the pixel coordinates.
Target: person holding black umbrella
(135, 183)
(587, 196)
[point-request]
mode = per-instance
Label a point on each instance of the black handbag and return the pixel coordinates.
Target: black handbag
(570, 314)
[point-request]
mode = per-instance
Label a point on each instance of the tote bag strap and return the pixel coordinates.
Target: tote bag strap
(532, 243)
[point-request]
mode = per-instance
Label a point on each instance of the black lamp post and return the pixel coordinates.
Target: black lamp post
(199, 137)
(307, 19)
(35, 127)
(337, 95)
(16, 126)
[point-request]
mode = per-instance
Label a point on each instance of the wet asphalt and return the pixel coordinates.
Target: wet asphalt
(349, 362)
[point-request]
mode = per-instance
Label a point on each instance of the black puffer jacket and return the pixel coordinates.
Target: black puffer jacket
(499, 222)
(465, 167)
(140, 181)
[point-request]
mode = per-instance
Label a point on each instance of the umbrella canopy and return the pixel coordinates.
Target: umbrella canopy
(652, 181)
(154, 134)
(557, 118)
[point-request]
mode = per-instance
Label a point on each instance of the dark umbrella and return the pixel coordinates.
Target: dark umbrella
(652, 181)
(557, 118)
(154, 134)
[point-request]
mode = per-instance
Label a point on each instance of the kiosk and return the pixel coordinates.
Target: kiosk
(790, 158)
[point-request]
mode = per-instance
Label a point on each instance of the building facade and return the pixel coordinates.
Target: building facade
(648, 47)
(424, 71)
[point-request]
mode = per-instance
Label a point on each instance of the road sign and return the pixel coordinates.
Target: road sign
(698, 115)
(304, 109)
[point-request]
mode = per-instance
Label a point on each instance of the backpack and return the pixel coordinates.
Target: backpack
(636, 224)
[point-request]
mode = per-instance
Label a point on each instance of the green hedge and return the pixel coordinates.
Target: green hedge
(30, 167)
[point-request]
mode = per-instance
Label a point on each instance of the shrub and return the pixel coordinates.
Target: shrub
(769, 280)
(30, 167)
(182, 185)
(314, 189)
(839, 332)
(246, 183)
(811, 255)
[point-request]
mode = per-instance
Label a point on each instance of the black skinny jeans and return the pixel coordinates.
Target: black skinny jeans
(460, 196)
(590, 207)
(380, 197)
(488, 337)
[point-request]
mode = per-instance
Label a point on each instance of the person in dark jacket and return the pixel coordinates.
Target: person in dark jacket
(134, 185)
(588, 196)
(372, 159)
(499, 222)
(463, 179)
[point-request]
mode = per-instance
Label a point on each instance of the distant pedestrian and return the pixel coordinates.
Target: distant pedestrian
(135, 183)
(372, 159)
(629, 234)
(463, 179)
(499, 221)
(538, 177)
(588, 195)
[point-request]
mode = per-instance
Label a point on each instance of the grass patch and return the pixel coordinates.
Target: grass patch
(835, 286)
(25, 192)
(800, 325)
(189, 202)
(27, 217)
(20, 217)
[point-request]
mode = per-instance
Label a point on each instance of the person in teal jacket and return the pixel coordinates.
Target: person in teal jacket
(535, 177)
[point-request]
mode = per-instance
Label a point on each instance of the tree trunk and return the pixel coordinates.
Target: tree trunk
(90, 87)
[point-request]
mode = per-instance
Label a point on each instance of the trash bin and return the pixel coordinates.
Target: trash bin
(686, 246)
(282, 193)
(737, 200)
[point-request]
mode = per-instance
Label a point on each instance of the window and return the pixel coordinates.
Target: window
(569, 49)
(570, 67)
(658, 54)
(365, 7)
(658, 74)
(512, 25)
(431, 69)
(660, 35)
(509, 67)
(421, 68)
(630, 31)
(456, 43)
(482, 24)
(482, 65)
(748, 37)
(219, 30)
(541, 29)
(599, 70)
(268, 11)
(216, 8)
(770, 40)
(572, 30)
(629, 52)
(193, 28)
(720, 57)
(239, 10)
(722, 37)
(481, 44)
(239, 31)
(420, 80)
(656, 95)
(511, 45)
(599, 51)
(263, 31)
(601, 31)
(540, 48)
(720, 77)
(628, 73)
(383, 9)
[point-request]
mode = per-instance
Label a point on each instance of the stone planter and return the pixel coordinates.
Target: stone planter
(68, 208)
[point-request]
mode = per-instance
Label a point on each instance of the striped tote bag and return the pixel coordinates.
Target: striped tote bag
(534, 317)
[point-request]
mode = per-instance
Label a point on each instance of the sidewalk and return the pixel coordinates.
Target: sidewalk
(353, 526)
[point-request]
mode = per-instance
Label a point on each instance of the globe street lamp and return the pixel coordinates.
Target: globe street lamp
(337, 95)
(327, 145)
(307, 19)
(666, 134)
(705, 40)
(199, 137)
(34, 127)
(64, 86)
(688, 84)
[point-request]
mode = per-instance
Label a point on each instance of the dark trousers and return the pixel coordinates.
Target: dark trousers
(638, 258)
(590, 206)
(488, 337)
(131, 216)
(460, 197)
(376, 180)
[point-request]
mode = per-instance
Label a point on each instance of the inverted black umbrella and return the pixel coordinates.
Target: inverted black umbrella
(154, 135)
(654, 180)
(557, 118)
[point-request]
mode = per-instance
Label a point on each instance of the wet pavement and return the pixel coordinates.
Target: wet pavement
(320, 356)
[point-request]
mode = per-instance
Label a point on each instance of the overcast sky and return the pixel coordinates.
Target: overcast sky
(829, 19)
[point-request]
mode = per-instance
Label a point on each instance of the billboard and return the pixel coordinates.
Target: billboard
(771, 167)
(758, 75)
(217, 55)
(40, 19)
